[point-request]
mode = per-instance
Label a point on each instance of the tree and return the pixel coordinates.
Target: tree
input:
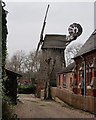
(16, 63)
(32, 62)
(24, 63)
(71, 51)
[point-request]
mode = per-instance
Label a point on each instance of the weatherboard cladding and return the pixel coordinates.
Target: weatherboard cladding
(89, 45)
(54, 41)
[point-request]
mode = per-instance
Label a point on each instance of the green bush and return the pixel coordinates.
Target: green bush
(26, 89)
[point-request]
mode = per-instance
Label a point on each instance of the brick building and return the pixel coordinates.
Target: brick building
(65, 77)
(86, 56)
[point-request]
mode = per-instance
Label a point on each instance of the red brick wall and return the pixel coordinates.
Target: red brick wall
(68, 76)
(39, 87)
(89, 60)
(61, 80)
(58, 80)
(22, 81)
(67, 80)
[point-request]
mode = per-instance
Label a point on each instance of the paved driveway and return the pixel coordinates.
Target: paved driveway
(32, 107)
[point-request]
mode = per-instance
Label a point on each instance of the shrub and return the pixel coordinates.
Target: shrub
(26, 89)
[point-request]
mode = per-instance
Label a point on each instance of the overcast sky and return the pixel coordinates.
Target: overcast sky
(25, 20)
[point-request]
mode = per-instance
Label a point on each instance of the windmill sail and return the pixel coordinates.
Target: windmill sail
(42, 31)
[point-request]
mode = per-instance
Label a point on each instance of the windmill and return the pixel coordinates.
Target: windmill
(53, 56)
(75, 30)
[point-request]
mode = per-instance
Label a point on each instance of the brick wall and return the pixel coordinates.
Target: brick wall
(67, 80)
(22, 81)
(39, 87)
(87, 103)
(89, 60)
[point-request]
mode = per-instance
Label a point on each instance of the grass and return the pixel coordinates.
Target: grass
(36, 102)
(43, 105)
(58, 100)
(20, 101)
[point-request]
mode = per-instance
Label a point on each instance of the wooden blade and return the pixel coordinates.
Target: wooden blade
(44, 23)
(41, 35)
(38, 48)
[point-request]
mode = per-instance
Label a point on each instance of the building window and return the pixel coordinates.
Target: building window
(81, 78)
(64, 80)
(82, 91)
(89, 75)
(59, 80)
(74, 80)
(75, 77)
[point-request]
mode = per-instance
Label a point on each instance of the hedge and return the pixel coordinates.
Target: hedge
(27, 89)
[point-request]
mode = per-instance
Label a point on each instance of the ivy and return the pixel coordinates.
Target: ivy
(7, 107)
(4, 39)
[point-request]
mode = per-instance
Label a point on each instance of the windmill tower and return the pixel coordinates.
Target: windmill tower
(53, 57)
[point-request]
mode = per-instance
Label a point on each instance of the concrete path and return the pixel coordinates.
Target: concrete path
(32, 107)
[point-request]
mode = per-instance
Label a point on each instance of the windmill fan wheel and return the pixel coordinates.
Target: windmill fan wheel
(75, 30)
